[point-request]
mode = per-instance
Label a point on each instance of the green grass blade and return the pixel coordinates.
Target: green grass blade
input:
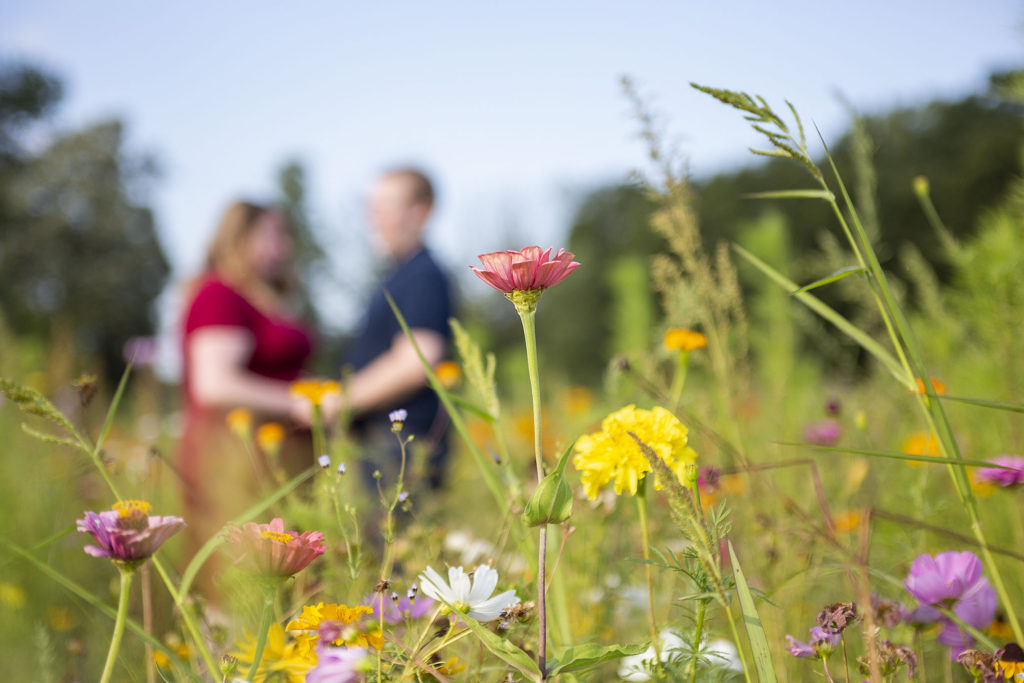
(828, 279)
(486, 469)
(829, 314)
(93, 600)
(791, 194)
(937, 460)
(204, 552)
(983, 403)
(752, 623)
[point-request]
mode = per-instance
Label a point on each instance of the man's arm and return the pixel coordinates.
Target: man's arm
(396, 373)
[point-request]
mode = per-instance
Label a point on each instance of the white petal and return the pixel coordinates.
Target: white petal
(433, 585)
(459, 582)
(485, 580)
(491, 609)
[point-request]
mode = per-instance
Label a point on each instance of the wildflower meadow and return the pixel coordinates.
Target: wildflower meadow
(722, 504)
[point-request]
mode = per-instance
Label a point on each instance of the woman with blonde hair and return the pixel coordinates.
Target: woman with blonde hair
(242, 348)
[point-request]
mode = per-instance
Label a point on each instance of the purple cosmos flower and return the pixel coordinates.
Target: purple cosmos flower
(1003, 477)
(337, 665)
(823, 432)
(396, 611)
(128, 533)
(822, 643)
(955, 581)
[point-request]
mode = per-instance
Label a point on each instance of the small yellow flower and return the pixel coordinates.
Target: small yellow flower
(61, 618)
(269, 436)
(175, 645)
(315, 390)
(11, 595)
(921, 443)
(240, 422)
(846, 521)
(612, 455)
(578, 400)
(282, 660)
(451, 667)
(448, 373)
(313, 615)
(679, 339)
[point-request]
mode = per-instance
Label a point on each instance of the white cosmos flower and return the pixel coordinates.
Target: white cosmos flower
(473, 600)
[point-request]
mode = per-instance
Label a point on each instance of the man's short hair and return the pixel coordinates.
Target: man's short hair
(421, 189)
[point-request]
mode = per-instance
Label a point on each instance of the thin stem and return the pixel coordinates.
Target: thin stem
(824, 665)
(679, 379)
(265, 619)
(527, 313)
(186, 615)
(736, 639)
(122, 613)
(641, 505)
(846, 659)
(698, 633)
(419, 641)
(319, 437)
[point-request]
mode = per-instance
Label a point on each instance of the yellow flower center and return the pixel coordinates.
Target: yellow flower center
(129, 508)
(277, 536)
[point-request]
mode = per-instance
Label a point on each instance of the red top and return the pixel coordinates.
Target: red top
(282, 345)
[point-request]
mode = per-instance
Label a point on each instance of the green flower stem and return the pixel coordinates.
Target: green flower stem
(319, 436)
(682, 365)
(419, 641)
(641, 506)
(702, 606)
(186, 615)
(127, 572)
(265, 620)
(527, 313)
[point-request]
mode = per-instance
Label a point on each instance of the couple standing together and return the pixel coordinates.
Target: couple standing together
(243, 347)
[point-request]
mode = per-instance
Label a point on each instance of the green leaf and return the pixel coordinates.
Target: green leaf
(590, 655)
(472, 407)
(504, 649)
(838, 275)
(551, 503)
(829, 314)
(752, 622)
(791, 194)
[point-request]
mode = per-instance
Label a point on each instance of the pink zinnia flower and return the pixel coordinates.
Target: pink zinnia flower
(270, 550)
(525, 270)
(127, 533)
(1000, 476)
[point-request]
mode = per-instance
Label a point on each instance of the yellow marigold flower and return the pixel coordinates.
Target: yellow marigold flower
(269, 436)
(315, 390)
(282, 660)
(938, 386)
(11, 595)
(448, 373)
(921, 443)
(181, 649)
(679, 339)
(240, 422)
(61, 618)
(612, 455)
(314, 615)
(846, 521)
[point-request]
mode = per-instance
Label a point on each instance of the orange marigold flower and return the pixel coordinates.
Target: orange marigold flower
(679, 339)
(921, 443)
(239, 421)
(315, 390)
(448, 373)
(269, 436)
(938, 386)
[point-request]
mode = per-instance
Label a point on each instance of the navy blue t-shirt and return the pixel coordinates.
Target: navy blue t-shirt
(420, 289)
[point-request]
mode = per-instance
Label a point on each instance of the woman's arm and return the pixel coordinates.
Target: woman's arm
(396, 373)
(218, 376)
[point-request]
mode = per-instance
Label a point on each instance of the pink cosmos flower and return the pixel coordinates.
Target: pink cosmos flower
(955, 581)
(525, 270)
(128, 533)
(270, 550)
(396, 611)
(823, 432)
(822, 642)
(1003, 477)
(338, 665)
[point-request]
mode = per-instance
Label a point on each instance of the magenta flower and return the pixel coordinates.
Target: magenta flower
(127, 533)
(1000, 476)
(338, 665)
(822, 643)
(823, 432)
(525, 270)
(954, 581)
(270, 550)
(397, 611)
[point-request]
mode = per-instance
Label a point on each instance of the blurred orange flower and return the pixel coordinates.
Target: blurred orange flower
(315, 390)
(269, 436)
(680, 339)
(921, 443)
(448, 373)
(938, 386)
(239, 421)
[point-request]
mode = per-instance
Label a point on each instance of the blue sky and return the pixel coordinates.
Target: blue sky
(516, 109)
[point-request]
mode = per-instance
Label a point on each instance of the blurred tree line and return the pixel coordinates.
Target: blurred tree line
(968, 150)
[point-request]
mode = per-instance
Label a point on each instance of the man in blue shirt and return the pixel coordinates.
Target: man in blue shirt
(388, 375)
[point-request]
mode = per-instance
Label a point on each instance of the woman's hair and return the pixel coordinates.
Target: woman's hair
(226, 258)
